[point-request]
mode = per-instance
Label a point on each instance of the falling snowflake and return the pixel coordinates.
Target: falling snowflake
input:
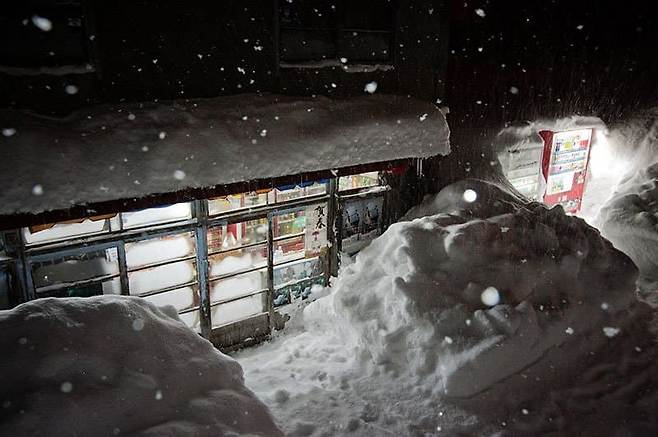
(470, 196)
(179, 175)
(371, 87)
(569, 330)
(480, 13)
(609, 331)
(162, 135)
(66, 387)
(71, 89)
(421, 118)
(8, 132)
(37, 190)
(513, 90)
(42, 23)
(490, 296)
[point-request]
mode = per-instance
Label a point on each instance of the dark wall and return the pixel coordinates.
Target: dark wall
(148, 49)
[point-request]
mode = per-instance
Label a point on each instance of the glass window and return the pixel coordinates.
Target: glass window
(225, 263)
(362, 180)
(192, 319)
(153, 216)
(237, 286)
(180, 298)
(236, 201)
(227, 237)
(297, 271)
(157, 278)
(155, 250)
(289, 249)
(279, 195)
(289, 223)
(67, 230)
(109, 286)
(4, 288)
(77, 267)
(236, 310)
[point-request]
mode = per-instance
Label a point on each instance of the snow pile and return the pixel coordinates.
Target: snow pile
(115, 365)
(466, 298)
(630, 217)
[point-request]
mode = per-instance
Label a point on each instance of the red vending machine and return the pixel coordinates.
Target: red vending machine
(564, 167)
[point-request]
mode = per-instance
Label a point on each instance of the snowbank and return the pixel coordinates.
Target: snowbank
(464, 299)
(114, 365)
(630, 216)
(134, 150)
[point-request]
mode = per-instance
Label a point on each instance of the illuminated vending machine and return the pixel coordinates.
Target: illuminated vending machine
(564, 167)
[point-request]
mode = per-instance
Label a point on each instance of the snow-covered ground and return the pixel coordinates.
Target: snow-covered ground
(476, 314)
(113, 365)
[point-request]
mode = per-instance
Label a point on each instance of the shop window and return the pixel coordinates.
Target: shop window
(361, 223)
(157, 250)
(237, 310)
(284, 194)
(181, 298)
(362, 180)
(152, 279)
(236, 202)
(238, 286)
(238, 260)
(294, 280)
(192, 319)
(70, 229)
(231, 236)
(155, 216)
(88, 273)
(318, 30)
(290, 223)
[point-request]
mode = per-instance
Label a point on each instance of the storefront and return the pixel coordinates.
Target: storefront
(225, 255)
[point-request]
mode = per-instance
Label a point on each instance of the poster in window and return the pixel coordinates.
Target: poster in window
(315, 237)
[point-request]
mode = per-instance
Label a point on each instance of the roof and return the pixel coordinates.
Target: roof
(130, 151)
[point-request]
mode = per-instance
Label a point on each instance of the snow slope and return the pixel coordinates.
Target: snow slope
(464, 317)
(113, 365)
(630, 216)
(133, 150)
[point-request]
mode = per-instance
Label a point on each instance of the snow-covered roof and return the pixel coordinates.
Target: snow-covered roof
(128, 151)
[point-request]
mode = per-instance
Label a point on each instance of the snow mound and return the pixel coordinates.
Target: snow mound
(114, 365)
(472, 289)
(630, 216)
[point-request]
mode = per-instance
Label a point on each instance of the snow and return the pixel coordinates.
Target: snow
(118, 366)
(208, 140)
(409, 340)
(629, 218)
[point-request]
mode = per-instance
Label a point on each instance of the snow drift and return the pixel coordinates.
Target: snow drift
(115, 365)
(630, 216)
(476, 286)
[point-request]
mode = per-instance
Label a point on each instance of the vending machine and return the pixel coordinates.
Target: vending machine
(565, 160)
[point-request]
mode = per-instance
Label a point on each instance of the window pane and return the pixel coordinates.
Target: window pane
(236, 201)
(289, 250)
(62, 231)
(4, 288)
(229, 312)
(226, 237)
(237, 260)
(361, 223)
(282, 195)
(111, 286)
(358, 181)
(295, 271)
(192, 319)
(238, 285)
(152, 216)
(307, 45)
(157, 278)
(289, 223)
(181, 298)
(145, 252)
(78, 267)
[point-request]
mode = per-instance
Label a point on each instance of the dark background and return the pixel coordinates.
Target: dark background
(564, 57)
